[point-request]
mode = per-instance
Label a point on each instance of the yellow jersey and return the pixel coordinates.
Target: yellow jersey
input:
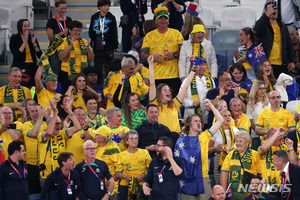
(156, 43)
(45, 95)
(74, 144)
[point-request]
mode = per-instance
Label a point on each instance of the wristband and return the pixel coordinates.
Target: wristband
(72, 114)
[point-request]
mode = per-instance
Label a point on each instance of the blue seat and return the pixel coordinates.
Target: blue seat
(34, 196)
(222, 62)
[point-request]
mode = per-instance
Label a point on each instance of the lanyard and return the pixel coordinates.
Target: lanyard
(101, 24)
(162, 170)
(139, 8)
(92, 170)
(67, 182)
(284, 180)
(24, 171)
(61, 28)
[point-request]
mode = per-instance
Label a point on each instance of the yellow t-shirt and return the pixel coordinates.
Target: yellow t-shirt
(27, 93)
(133, 164)
(274, 174)
(196, 51)
(169, 116)
(57, 145)
(144, 71)
(28, 58)
(110, 155)
(298, 111)
(243, 123)
(8, 139)
(156, 42)
(31, 143)
(282, 118)
(115, 136)
(45, 95)
(74, 144)
(65, 64)
(204, 139)
(275, 57)
(78, 100)
(97, 121)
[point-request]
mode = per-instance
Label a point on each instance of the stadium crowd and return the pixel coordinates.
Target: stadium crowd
(162, 122)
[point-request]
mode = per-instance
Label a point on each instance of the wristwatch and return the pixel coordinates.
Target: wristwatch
(109, 193)
(175, 55)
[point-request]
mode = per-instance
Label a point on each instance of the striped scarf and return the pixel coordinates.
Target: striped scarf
(199, 53)
(225, 145)
(57, 40)
(83, 57)
(8, 94)
(298, 139)
(235, 173)
(135, 190)
(194, 92)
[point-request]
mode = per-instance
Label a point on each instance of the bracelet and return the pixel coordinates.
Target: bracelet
(72, 114)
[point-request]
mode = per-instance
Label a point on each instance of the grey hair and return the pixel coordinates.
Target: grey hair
(25, 101)
(86, 143)
(131, 132)
(243, 135)
(3, 108)
(126, 61)
(111, 111)
(135, 54)
(14, 69)
(234, 99)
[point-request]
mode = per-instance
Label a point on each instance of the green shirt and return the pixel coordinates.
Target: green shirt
(138, 117)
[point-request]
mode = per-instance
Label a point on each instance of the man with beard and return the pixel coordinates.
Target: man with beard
(256, 186)
(26, 79)
(164, 172)
(275, 116)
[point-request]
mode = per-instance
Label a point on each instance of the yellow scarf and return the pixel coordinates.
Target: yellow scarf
(225, 145)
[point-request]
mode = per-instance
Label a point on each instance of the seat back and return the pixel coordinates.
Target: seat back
(292, 105)
(238, 17)
(207, 16)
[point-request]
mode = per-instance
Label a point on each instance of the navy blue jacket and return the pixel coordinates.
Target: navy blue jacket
(90, 183)
(11, 185)
(56, 187)
(168, 189)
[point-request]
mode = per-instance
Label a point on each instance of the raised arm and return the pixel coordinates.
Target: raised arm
(219, 119)
(34, 132)
(182, 92)
(37, 78)
(117, 92)
(51, 125)
(152, 88)
(269, 142)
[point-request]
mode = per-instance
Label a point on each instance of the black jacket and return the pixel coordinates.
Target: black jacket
(264, 32)
(294, 175)
(19, 57)
(110, 31)
(130, 9)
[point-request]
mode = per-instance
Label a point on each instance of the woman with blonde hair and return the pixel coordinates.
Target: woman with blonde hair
(258, 101)
(265, 73)
(198, 46)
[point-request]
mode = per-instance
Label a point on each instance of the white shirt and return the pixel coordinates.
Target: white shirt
(253, 114)
(202, 91)
(218, 139)
(285, 170)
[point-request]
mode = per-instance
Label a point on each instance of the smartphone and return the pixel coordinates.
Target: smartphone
(274, 2)
(12, 126)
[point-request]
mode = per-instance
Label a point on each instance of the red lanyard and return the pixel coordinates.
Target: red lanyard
(24, 171)
(92, 170)
(67, 182)
(284, 180)
(59, 24)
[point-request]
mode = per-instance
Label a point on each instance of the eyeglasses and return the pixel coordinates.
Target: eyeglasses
(135, 138)
(262, 88)
(91, 149)
(275, 97)
(7, 113)
(57, 124)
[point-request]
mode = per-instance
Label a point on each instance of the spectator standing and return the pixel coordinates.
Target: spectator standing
(135, 11)
(58, 25)
(104, 38)
(25, 48)
(74, 53)
(276, 40)
(13, 174)
(164, 44)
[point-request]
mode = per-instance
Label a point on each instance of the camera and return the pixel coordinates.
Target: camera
(100, 43)
(12, 126)
(41, 167)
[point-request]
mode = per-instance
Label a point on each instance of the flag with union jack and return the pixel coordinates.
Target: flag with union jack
(229, 192)
(255, 56)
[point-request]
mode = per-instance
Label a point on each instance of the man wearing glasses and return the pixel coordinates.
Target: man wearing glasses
(93, 173)
(74, 53)
(163, 173)
(275, 116)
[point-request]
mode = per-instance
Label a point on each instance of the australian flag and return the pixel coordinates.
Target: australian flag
(256, 55)
(229, 191)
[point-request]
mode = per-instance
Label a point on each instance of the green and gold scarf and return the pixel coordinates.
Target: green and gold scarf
(225, 145)
(135, 190)
(8, 94)
(83, 58)
(194, 92)
(235, 174)
(298, 139)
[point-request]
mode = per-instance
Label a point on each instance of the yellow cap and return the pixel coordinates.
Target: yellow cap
(102, 130)
(198, 28)
(161, 11)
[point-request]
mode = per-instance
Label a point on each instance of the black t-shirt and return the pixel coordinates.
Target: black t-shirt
(52, 23)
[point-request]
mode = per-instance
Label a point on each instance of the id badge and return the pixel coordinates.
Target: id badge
(69, 190)
(160, 178)
(101, 185)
